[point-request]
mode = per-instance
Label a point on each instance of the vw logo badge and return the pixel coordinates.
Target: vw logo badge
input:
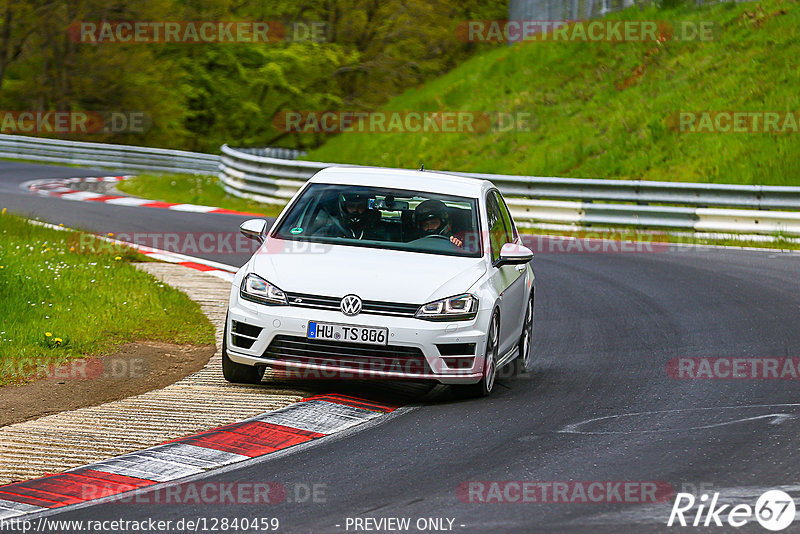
(351, 305)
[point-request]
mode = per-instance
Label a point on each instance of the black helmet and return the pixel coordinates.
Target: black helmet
(432, 209)
(353, 219)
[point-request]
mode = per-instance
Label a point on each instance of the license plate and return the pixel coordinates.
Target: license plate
(351, 334)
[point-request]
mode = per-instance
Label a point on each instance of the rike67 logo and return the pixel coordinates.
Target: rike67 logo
(774, 510)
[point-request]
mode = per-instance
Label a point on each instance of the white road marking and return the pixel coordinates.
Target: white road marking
(776, 419)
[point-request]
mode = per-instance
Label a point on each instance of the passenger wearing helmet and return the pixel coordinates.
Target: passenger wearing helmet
(357, 220)
(431, 218)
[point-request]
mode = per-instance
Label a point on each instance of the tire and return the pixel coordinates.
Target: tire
(486, 385)
(522, 362)
(237, 373)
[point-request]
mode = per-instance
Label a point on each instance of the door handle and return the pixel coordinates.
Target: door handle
(521, 268)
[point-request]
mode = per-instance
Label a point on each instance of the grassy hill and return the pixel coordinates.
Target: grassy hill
(602, 109)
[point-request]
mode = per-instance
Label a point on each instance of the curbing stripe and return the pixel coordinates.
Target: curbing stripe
(10, 495)
(318, 416)
(127, 201)
(80, 195)
(71, 488)
(312, 418)
(142, 465)
(103, 198)
(60, 188)
(251, 438)
(133, 482)
(138, 466)
(191, 454)
(192, 208)
(179, 461)
(197, 266)
(353, 401)
(43, 490)
(158, 204)
(9, 509)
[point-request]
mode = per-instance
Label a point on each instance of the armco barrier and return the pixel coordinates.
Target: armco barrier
(122, 157)
(256, 174)
(575, 201)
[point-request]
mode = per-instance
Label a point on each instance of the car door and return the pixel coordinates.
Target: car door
(507, 280)
(518, 291)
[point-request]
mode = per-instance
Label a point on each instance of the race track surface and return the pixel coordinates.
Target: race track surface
(606, 327)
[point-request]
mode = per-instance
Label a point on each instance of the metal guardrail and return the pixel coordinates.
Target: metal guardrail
(575, 201)
(121, 157)
(274, 152)
(254, 174)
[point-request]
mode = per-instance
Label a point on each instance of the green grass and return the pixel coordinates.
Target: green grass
(595, 117)
(191, 189)
(85, 294)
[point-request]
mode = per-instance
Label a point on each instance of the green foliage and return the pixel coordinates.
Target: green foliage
(602, 109)
(200, 96)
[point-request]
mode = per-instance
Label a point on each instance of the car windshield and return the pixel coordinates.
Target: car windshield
(384, 218)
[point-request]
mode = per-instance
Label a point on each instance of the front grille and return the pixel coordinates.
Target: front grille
(243, 335)
(372, 307)
(350, 356)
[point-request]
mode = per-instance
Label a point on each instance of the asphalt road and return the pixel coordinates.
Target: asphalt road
(606, 326)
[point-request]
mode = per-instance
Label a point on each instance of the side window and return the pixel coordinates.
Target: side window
(509, 222)
(497, 230)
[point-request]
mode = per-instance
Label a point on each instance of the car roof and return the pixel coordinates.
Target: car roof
(423, 181)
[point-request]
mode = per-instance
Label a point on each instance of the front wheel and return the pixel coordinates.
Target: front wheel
(486, 384)
(236, 372)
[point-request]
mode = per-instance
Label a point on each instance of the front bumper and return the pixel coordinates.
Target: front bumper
(403, 332)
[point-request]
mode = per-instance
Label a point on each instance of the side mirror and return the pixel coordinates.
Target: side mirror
(514, 254)
(254, 229)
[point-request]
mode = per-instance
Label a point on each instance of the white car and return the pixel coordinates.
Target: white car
(381, 273)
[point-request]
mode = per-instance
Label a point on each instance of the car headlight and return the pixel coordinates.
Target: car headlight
(256, 289)
(458, 308)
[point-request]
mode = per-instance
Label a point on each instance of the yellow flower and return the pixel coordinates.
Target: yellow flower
(58, 341)
(2, 266)
(71, 249)
(48, 334)
(61, 224)
(118, 258)
(4, 211)
(110, 234)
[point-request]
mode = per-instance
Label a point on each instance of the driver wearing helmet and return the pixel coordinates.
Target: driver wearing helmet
(431, 218)
(357, 220)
